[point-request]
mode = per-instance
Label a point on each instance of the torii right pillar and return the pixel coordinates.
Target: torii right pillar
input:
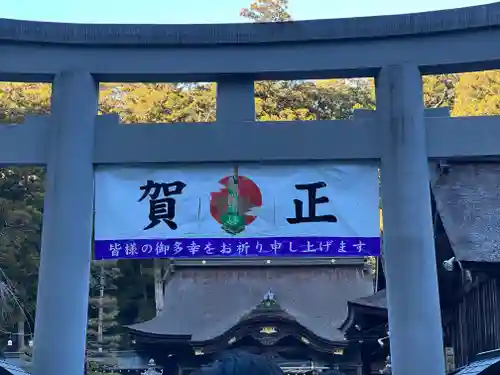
(416, 334)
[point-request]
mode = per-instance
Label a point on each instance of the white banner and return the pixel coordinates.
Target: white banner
(320, 209)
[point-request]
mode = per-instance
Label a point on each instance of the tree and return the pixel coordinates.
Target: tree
(151, 103)
(267, 11)
(307, 100)
(478, 94)
(9, 305)
(304, 100)
(281, 101)
(336, 99)
(17, 100)
(21, 202)
(135, 291)
(439, 90)
(103, 331)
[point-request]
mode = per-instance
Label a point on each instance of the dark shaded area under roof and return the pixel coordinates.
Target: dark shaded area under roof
(468, 201)
(206, 302)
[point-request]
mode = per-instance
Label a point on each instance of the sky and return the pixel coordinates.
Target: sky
(203, 11)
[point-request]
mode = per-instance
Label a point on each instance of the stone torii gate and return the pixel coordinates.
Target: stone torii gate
(395, 50)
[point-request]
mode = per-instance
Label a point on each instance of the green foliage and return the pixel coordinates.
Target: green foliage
(18, 100)
(136, 103)
(267, 11)
(103, 331)
(135, 291)
(21, 207)
(478, 94)
(308, 100)
(439, 90)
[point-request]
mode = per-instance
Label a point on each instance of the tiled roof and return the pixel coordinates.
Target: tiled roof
(468, 201)
(206, 302)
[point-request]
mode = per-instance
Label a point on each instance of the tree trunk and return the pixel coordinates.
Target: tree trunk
(158, 282)
(20, 331)
(100, 316)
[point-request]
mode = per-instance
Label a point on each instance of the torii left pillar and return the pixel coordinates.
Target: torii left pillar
(63, 285)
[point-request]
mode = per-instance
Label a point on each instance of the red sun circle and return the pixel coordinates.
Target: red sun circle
(247, 189)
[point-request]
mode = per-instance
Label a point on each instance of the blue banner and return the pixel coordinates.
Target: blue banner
(270, 247)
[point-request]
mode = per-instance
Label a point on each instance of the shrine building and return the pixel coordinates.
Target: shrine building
(291, 311)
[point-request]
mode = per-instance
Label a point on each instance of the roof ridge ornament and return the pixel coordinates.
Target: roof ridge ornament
(267, 307)
(152, 369)
(268, 302)
(269, 298)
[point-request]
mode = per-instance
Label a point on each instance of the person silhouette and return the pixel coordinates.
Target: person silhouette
(241, 363)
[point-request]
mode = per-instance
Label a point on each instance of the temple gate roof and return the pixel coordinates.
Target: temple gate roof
(203, 303)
